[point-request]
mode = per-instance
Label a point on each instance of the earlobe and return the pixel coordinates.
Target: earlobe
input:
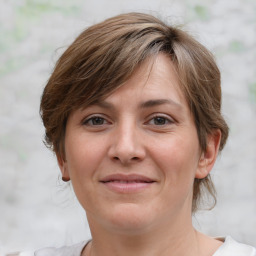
(63, 168)
(209, 157)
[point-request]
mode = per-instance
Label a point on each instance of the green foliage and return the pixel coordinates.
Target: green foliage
(252, 90)
(236, 46)
(10, 64)
(33, 9)
(27, 15)
(202, 12)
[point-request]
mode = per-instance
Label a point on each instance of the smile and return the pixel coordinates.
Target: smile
(127, 183)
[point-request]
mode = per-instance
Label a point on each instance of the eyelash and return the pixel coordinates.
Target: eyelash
(167, 120)
(89, 121)
(93, 118)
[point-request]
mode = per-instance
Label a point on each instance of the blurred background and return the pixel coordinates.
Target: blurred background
(36, 208)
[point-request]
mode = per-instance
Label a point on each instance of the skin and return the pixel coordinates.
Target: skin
(143, 128)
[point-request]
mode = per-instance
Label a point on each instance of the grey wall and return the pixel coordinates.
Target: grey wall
(36, 208)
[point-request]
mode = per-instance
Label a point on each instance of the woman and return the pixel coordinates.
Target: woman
(133, 114)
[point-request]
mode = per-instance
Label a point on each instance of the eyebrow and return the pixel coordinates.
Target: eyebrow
(146, 104)
(103, 104)
(157, 102)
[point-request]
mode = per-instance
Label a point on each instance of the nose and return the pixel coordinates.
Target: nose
(127, 145)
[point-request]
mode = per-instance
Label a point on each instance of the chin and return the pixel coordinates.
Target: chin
(130, 219)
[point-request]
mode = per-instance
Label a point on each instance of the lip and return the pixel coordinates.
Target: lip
(131, 183)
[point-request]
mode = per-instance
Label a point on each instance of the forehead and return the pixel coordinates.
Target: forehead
(155, 78)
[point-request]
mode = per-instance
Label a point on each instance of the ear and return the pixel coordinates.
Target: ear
(208, 157)
(63, 168)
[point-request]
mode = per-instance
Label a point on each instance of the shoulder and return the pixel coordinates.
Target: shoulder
(19, 254)
(232, 248)
(73, 250)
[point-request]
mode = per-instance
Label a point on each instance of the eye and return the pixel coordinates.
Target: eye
(160, 120)
(95, 121)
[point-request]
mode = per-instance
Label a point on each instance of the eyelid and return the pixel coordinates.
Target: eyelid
(91, 116)
(167, 117)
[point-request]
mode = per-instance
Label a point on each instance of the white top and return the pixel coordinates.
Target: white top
(229, 248)
(232, 248)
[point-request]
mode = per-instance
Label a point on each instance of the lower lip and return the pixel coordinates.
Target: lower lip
(131, 187)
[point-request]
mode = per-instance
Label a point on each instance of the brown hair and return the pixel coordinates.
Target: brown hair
(105, 55)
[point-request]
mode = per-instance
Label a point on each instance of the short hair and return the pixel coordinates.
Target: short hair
(105, 55)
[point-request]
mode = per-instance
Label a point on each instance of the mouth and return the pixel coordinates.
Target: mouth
(127, 183)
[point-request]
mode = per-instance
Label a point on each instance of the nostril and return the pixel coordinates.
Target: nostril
(116, 158)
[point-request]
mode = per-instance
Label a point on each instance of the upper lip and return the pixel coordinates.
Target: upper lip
(126, 177)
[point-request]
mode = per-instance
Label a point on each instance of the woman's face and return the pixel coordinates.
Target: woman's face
(133, 156)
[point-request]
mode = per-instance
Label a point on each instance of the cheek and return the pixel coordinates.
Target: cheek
(177, 158)
(83, 155)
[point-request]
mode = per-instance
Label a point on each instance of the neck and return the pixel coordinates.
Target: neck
(179, 238)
